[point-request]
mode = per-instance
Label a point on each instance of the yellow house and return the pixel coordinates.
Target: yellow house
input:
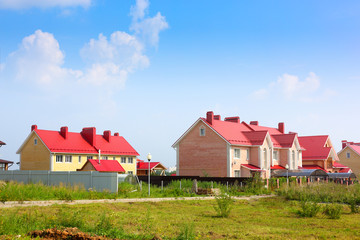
(69, 151)
(350, 155)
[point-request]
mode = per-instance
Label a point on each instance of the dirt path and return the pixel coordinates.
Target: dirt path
(123, 200)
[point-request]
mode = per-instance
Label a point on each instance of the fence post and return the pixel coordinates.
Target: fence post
(212, 184)
(267, 183)
(278, 183)
(300, 182)
(162, 185)
(180, 184)
(241, 184)
(48, 178)
(227, 185)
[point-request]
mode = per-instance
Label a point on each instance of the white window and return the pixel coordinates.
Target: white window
(68, 158)
(59, 158)
(276, 155)
(105, 158)
(237, 173)
(130, 160)
(79, 159)
(123, 159)
(35, 141)
(202, 131)
(236, 153)
(247, 154)
(265, 159)
(347, 155)
(130, 172)
(89, 157)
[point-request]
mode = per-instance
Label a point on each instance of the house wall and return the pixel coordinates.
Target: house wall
(88, 167)
(283, 155)
(353, 162)
(34, 156)
(236, 162)
(75, 164)
(202, 155)
(254, 156)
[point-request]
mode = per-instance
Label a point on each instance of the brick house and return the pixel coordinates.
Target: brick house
(230, 148)
(350, 155)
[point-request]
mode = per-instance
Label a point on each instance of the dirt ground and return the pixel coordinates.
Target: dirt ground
(67, 233)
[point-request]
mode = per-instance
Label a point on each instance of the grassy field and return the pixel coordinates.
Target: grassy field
(272, 218)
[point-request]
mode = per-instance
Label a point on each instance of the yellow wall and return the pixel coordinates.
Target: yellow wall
(74, 165)
(353, 162)
(236, 162)
(34, 157)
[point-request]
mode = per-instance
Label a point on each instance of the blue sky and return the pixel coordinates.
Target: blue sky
(149, 69)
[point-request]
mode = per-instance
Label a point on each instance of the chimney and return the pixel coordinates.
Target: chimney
(232, 119)
(344, 143)
(210, 117)
(107, 135)
(116, 134)
(217, 117)
(64, 132)
(256, 123)
(90, 135)
(33, 127)
(281, 127)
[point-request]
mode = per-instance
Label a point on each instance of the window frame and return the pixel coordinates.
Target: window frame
(202, 131)
(35, 141)
(237, 153)
(132, 160)
(79, 159)
(89, 157)
(247, 154)
(123, 160)
(59, 158)
(68, 158)
(348, 155)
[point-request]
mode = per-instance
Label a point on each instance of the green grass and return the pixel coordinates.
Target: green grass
(13, 191)
(272, 218)
(323, 192)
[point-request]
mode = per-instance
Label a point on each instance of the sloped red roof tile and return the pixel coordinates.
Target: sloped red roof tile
(106, 165)
(277, 167)
(315, 147)
(251, 167)
(76, 143)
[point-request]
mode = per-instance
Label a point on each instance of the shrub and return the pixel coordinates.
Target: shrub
(354, 207)
(308, 209)
(187, 232)
(223, 205)
(333, 210)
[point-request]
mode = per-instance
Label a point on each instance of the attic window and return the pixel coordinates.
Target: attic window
(347, 155)
(202, 131)
(35, 141)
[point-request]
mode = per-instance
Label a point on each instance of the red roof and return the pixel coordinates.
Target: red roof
(356, 148)
(339, 165)
(249, 135)
(277, 167)
(76, 143)
(106, 165)
(251, 167)
(315, 147)
(312, 167)
(145, 165)
(2, 143)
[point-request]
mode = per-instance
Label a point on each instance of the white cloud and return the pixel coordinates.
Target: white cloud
(109, 61)
(150, 28)
(38, 60)
(138, 11)
(22, 4)
(292, 88)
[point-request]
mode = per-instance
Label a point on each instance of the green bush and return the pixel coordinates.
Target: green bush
(333, 210)
(187, 232)
(223, 205)
(308, 209)
(354, 207)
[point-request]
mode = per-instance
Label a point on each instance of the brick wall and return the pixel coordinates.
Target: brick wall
(202, 155)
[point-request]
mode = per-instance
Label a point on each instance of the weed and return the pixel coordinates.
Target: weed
(333, 210)
(308, 209)
(223, 205)
(187, 232)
